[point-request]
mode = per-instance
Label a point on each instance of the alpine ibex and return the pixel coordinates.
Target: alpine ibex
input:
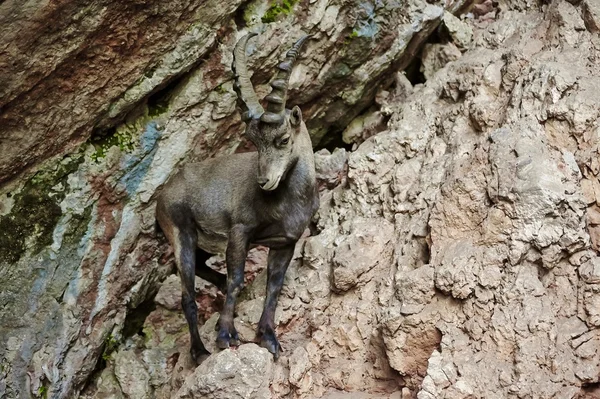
(231, 203)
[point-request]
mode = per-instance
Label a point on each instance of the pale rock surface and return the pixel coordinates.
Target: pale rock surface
(364, 126)
(131, 375)
(242, 373)
(460, 31)
(591, 15)
(331, 167)
(435, 56)
(100, 103)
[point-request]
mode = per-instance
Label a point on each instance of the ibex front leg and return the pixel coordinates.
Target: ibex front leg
(278, 262)
(235, 256)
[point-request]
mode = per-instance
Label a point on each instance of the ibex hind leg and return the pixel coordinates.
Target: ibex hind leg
(205, 272)
(185, 257)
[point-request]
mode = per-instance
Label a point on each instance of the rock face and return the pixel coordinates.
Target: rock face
(454, 256)
(72, 69)
(100, 102)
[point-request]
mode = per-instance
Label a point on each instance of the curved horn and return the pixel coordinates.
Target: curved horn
(276, 99)
(248, 101)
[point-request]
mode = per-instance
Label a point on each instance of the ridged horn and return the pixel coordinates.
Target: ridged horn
(247, 99)
(278, 96)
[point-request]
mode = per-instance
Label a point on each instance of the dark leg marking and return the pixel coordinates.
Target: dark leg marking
(237, 250)
(186, 264)
(278, 262)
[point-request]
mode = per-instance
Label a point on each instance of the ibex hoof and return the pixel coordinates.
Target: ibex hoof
(198, 356)
(227, 338)
(268, 341)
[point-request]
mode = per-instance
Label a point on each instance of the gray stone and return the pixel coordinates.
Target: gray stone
(435, 56)
(460, 31)
(331, 168)
(169, 294)
(591, 15)
(361, 252)
(300, 375)
(244, 372)
(132, 376)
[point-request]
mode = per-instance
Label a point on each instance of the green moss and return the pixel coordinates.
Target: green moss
(122, 137)
(110, 345)
(157, 109)
(147, 334)
(278, 7)
(35, 211)
(42, 392)
(78, 225)
(351, 36)
(250, 13)
(125, 135)
(220, 89)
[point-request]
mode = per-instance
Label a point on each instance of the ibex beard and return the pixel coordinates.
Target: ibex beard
(232, 203)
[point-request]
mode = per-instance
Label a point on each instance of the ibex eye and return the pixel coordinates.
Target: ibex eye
(285, 141)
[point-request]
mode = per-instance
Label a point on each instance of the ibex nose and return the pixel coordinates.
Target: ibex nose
(262, 181)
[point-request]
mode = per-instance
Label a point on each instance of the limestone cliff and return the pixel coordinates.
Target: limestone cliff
(455, 254)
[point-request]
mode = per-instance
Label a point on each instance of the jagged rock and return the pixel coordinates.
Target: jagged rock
(244, 372)
(132, 376)
(590, 270)
(460, 32)
(91, 79)
(435, 56)
(363, 249)
(363, 127)
(300, 375)
(591, 15)
(484, 9)
(93, 74)
(331, 168)
(169, 294)
(104, 386)
(415, 289)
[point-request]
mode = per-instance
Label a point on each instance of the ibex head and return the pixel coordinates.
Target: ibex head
(274, 131)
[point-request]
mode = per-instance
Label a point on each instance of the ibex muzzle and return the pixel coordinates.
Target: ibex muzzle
(231, 203)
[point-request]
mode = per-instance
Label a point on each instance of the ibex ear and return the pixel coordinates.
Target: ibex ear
(296, 116)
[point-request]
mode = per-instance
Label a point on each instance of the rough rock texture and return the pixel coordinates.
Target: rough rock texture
(244, 373)
(71, 68)
(457, 257)
(460, 260)
(99, 104)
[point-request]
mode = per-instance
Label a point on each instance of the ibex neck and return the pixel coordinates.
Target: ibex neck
(301, 177)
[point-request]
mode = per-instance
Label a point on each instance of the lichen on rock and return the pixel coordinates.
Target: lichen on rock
(34, 210)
